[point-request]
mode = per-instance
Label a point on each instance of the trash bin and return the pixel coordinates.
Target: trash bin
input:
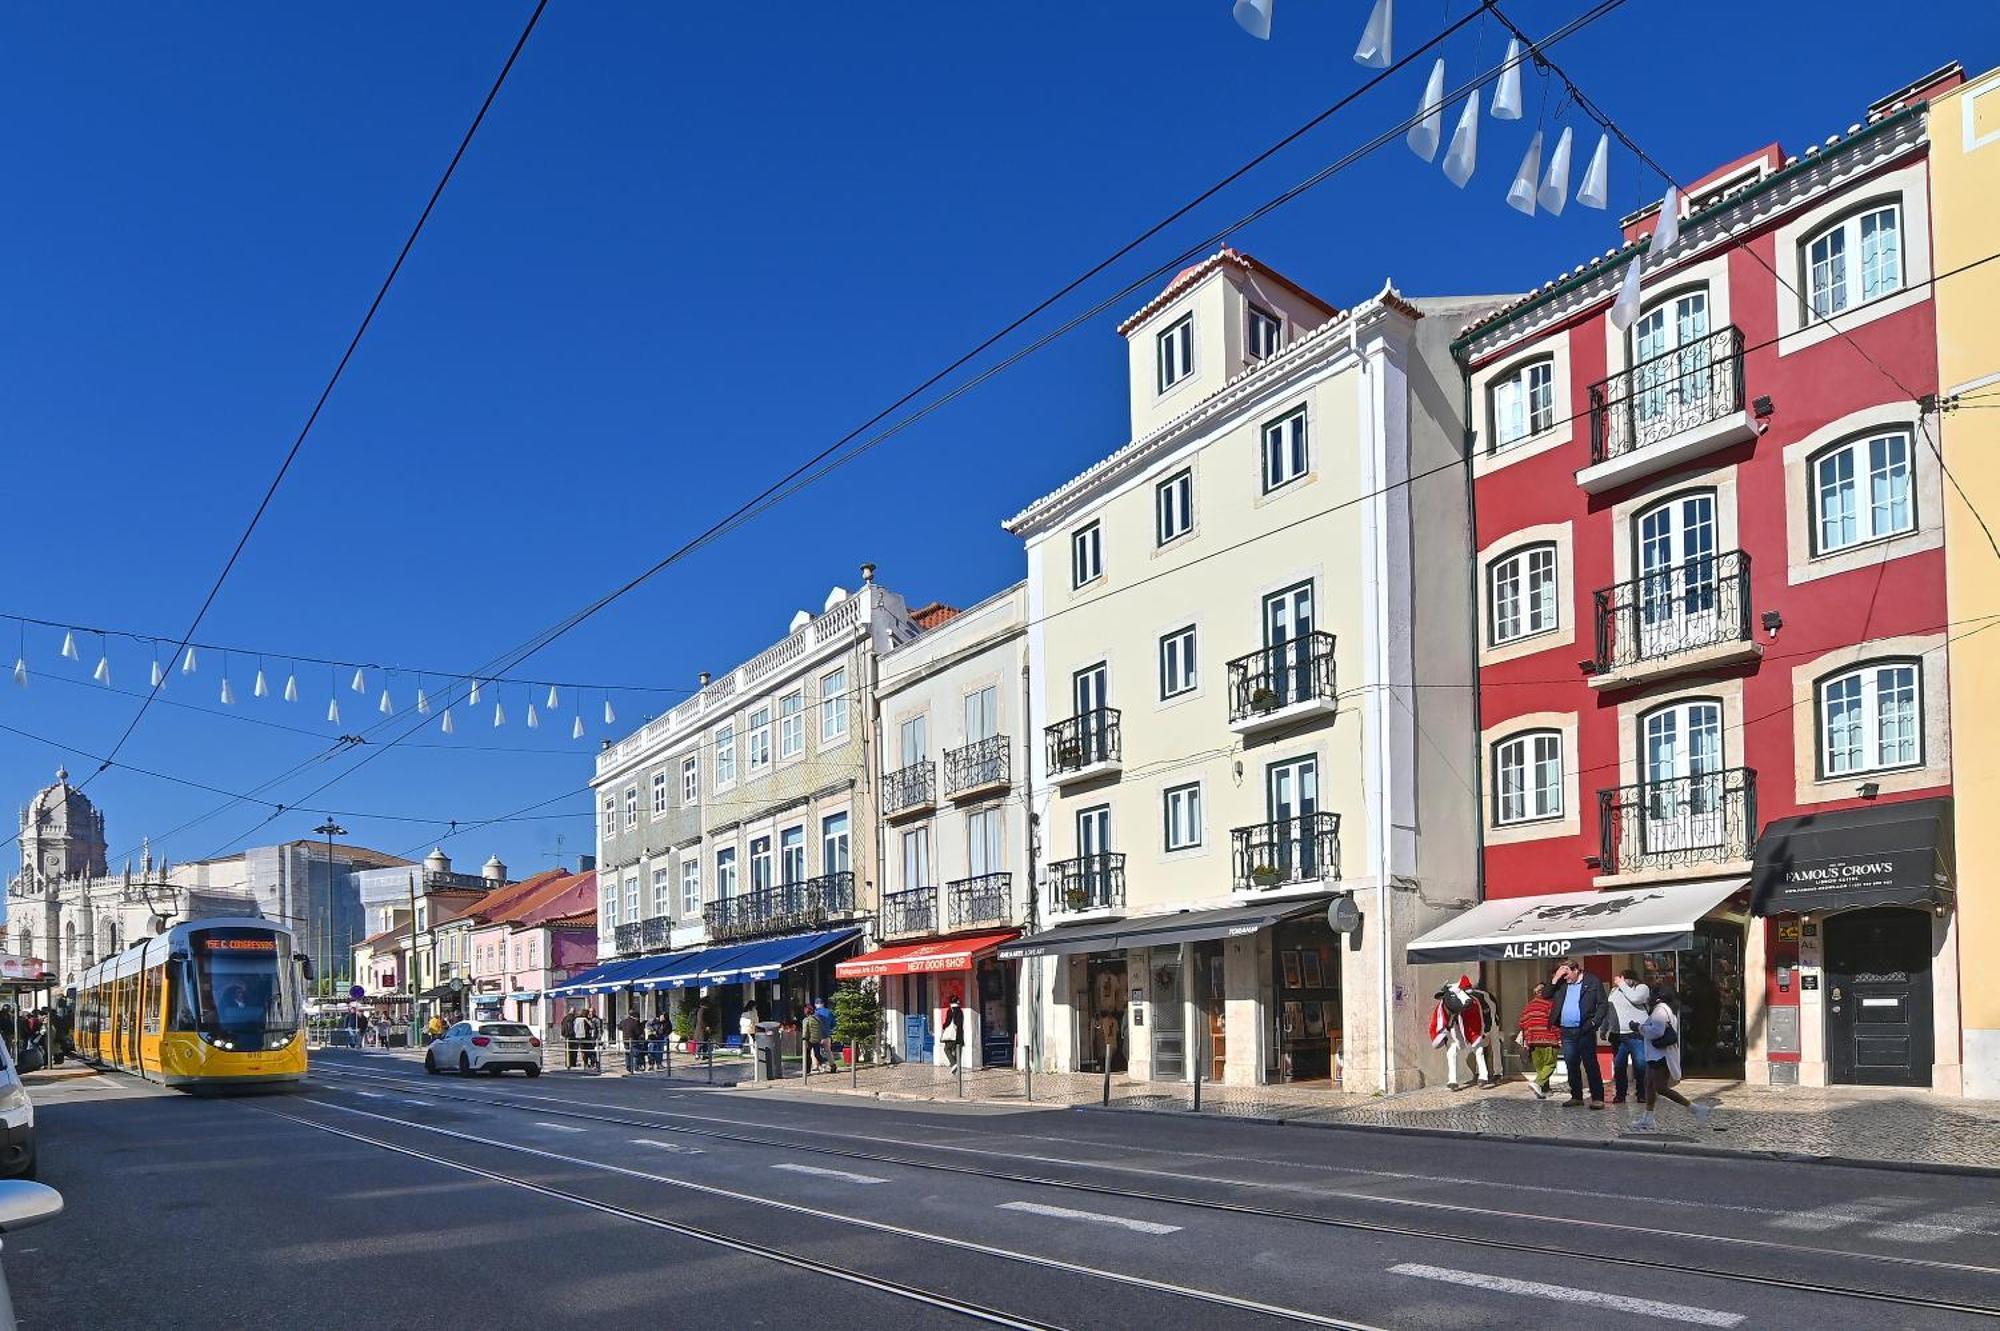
(770, 1059)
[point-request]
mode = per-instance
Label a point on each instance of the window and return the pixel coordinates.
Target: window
(1176, 352)
(725, 873)
(691, 885)
(792, 724)
(760, 740)
(631, 807)
(1177, 664)
(833, 848)
(611, 815)
(663, 889)
(725, 757)
(1521, 593)
(1854, 261)
(1173, 507)
(982, 714)
(760, 863)
(916, 858)
(1862, 492)
(659, 793)
(1266, 333)
(982, 843)
(1183, 811)
(1286, 457)
(913, 735)
(1086, 555)
(1870, 719)
(631, 912)
(833, 705)
(1528, 777)
(792, 854)
(1524, 402)
(690, 781)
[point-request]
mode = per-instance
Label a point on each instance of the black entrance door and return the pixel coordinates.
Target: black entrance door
(1878, 1000)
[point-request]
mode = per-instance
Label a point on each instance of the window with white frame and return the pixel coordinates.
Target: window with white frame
(792, 724)
(1086, 554)
(1266, 333)
(725, 757)
(659, 793)
(833, 844)
(663, 889)
(725, 873)
(690, 781)
(1854, 261)
(760, 740)
(1175, 348)
(1863, 491)
(760, 863)
(1173, 507)
(792, 854)
(1871, 719)
(1523, 402)
(1521, 593)
(1528, 777)
(916, 858)
(691, 885)
(631, 911)
(631, 807)
(1183, 816)
(1286, 453)
(833, 705)
(610, 815)
(1177, 663)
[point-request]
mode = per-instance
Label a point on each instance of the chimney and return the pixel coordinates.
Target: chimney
(585, 863)
(867, 574)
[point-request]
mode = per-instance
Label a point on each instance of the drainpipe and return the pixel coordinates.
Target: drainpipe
(1030, 919)
(1472, 615)
(1385, 805)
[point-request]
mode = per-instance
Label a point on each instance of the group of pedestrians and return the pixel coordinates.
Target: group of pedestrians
(1568, 1015)
(645, 1041)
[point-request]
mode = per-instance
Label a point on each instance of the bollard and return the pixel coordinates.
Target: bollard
(958, 1071)
(1107, 1083)
(708, 1048)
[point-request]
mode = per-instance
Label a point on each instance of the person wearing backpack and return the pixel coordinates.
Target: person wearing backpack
(1661, 1032)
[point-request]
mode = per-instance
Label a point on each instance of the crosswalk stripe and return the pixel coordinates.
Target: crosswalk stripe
(1090, 1217)
(1535, 1289)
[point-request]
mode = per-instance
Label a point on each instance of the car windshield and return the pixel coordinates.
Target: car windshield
(242, 982)
(503, 1028)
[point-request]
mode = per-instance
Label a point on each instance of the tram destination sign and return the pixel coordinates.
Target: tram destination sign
(240, 944)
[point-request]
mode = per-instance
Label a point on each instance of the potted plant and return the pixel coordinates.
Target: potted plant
(1263, 700)
(684, 1027)
(1265, 875)
(1076, 897)
(857, 1018)
(1069, 753)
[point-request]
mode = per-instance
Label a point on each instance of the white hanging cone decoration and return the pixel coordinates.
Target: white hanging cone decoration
(534, 722)
(228, 693)
(1254, 17)
(610, 716)
(1374, 49)
(1507, 92)
(1595, 191)
(159, 675)
(1668, 229)
(499, 714)
(262, 687)
(473, 697)
(188, 662)
(360, 684)
(21, 673)
(445, 725)
(1463, 155)
(1521, 194)
(103, 672)
(555, 699)
(333, 710)
(385, 707)
(69, 645)
(1554, 193)
(1425, 135)
(1626, 308)
(291, 688)
(576, 727)
(423, 704)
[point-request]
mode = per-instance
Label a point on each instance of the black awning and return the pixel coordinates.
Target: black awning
(1876, 855)
(1187, 926)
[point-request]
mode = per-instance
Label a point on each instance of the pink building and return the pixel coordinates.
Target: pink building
(531, 937)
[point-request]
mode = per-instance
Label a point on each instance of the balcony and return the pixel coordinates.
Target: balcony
(983, 767)
(1286, 854)
(658, 933)
(910, 792)
(1667, 409)
(983, 901)
(1690, 822)
(1089, 885)
(789, 908)
(643, 935)
(911, 912)
(1274, 686)
(628, 938)
(1694, 616)
(1085, 747)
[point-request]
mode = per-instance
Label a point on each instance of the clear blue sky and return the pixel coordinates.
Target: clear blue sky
(692, 245)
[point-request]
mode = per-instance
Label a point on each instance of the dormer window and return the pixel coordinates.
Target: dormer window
(1266, 334)
(1176, 352)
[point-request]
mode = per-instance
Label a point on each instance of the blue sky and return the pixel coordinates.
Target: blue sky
(692, 245)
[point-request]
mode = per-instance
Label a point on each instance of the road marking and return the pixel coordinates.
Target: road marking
(1535, 1289)
(675, 1147)
(1094, 1217)
(421, 1104)
(1841, 1214)
(555, 1127)
(840, 1174)
(372, 1095)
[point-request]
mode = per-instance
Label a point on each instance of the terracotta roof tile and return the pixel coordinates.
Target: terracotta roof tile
(930, 616)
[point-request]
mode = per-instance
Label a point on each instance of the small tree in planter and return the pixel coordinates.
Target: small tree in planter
(857, 1018)
(684, 1024)
(1265, 875)
(1263, 700)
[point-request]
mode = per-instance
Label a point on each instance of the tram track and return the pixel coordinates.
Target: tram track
(726, 1130)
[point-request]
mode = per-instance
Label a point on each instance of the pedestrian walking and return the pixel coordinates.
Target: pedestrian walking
(746, 1026)
(704, 1025)
(951, 1031)
(1631, 1003)
(1536, 1033)
(809, 1035)
(633, 1032)
(1661, 1035)
(825, 1015)
(576, 1029)
(658, 1032)
(1577, 999)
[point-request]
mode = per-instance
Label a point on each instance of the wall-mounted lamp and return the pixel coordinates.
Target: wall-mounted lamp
(1763, 406)
(1587, 667)
(1773, 621)
(1593, 861)
(1868, 790)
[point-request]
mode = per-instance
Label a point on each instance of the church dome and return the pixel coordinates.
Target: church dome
(61, 804)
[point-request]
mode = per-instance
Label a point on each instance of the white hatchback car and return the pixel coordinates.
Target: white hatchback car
(486, 1046)
(17, 1121)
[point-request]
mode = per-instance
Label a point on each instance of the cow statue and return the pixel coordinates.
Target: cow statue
(1464, 1017)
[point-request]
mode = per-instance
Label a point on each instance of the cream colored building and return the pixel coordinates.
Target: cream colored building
(1227, 618)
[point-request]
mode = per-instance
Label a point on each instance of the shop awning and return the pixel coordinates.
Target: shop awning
(1660, 918)
(525, 995)
(1876, 855)
(611, 975)
(760, 961)
(938, 954)
(1187, 926)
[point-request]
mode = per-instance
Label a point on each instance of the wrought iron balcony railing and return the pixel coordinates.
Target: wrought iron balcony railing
(629, 937)
(1084, 740)
(1704, 602)
(1658, 398)
(1088, 882)
(1286, 852)
(913, 911)
(640, 935)
(1276, 677)
(981, 765)
(786, 908)
(985, 899)
(912, 787)
(659, 932)
(1676, 823)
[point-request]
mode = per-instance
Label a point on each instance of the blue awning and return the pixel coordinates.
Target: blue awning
(611, 975)
(760, 961)
(684, 969)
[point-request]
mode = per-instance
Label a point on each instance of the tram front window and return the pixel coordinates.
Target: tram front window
(241, 988)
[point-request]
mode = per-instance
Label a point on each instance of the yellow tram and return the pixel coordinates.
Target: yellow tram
(212, 1003)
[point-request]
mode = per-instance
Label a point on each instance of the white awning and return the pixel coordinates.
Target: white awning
(1659, 918)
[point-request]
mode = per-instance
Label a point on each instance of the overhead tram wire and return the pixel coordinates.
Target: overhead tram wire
(333, 380)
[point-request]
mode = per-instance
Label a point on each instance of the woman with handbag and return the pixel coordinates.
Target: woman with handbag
(1661, 1032)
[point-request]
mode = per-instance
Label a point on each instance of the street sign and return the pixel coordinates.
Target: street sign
(457, 985)
(357, 992)
(1342, 915)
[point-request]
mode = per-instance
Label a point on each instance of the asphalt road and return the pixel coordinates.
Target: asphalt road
(383, 1198)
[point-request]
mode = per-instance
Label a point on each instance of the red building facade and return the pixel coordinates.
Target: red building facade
(1709, 550)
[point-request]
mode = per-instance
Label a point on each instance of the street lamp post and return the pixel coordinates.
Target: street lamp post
(328, 829)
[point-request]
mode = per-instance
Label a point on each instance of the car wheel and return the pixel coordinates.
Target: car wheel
(532, 1070)
(465, 1065)
(430, 1064)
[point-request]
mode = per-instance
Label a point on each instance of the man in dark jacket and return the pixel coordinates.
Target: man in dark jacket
(1576, 1000)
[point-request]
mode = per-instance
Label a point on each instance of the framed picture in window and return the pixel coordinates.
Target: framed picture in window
(1290, 962)
(1309, 971)
(1295, 1016)
(1315, 1019)
(1330, 1018)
